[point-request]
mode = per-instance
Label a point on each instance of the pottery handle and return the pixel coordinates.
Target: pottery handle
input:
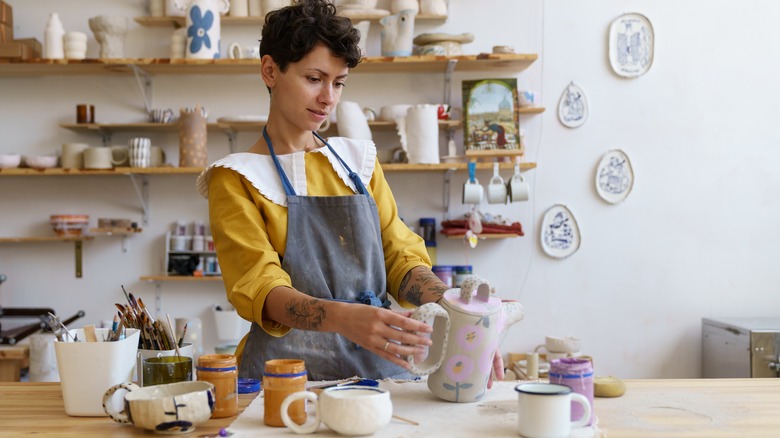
(439, 337)
(581, 399)
(109, 405)
(309, 427)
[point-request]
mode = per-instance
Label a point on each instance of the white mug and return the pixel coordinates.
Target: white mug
(73, 155)
(347, 410)
(544, 410)
(497, 189)
(517, 188)
(140, 151)
(472, 192)
(97, 158)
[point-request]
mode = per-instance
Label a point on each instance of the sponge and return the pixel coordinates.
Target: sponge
(608, 386)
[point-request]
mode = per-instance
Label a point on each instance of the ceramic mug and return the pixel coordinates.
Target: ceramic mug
(171, 408)
(97, 158)
(157, 156)
(347, 410)
(544, 410)
(497, 188)
(73, 155)
(140, 151)
(472, 192)
(120, 156)
(517, 188)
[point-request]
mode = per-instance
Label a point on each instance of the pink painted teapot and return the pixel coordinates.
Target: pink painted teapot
(467, 329)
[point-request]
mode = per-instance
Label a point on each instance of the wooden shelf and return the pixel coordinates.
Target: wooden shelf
(496, 63)
(258, 21)
(494, 153)
(400, 167)
(81, 238)
(122, 171)
(225, 126)
(180, 278)
(114, 231)
(531, 110)
(486, 236)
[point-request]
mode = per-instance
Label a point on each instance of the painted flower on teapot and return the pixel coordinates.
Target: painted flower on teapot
(467, 329)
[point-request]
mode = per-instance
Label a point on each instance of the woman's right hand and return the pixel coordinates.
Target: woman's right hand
(389, 334)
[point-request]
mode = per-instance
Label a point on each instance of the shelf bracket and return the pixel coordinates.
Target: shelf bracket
(232, 136)
(145, 85)
(105, 137)
(446, 192)
(78, 247)
(451, 64)
(143, 195)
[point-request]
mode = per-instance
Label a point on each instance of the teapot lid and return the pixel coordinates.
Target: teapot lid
(474, 300)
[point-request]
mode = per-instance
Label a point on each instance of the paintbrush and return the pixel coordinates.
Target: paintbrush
(173, 338)
(183, 333)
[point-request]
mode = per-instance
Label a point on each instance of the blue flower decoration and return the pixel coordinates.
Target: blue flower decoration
(199, 29)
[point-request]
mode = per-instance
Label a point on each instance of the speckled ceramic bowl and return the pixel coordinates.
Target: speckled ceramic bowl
(10, 161)
(40, 161)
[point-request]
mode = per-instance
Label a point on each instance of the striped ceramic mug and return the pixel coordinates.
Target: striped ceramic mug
(139, 149)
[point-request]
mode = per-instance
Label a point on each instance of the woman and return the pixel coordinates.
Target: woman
(303, 226)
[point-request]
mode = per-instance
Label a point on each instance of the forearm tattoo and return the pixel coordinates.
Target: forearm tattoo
(306, 314)
(419, 281)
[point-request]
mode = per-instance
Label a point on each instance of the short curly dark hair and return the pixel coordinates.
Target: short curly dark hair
(290, 33)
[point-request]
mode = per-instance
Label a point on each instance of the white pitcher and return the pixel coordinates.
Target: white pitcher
(419, 132)
(203, 26)
(397, 33)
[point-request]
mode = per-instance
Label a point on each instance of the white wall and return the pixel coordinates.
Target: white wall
(694, 239)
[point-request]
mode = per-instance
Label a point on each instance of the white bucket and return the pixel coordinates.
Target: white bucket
(88, 369)
(230, 326)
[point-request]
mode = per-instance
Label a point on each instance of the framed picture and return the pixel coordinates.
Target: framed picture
(491, 118)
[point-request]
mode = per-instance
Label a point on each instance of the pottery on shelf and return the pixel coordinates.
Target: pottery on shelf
(397, 33)
(203, 26)
(441, 43)
(110, 33)
(52, 38)
(433, 7)
(363, 27)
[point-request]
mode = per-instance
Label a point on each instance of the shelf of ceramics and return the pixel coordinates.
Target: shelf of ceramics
(401, 167)
(124, 171)
(499, 63)
(258, 21)
(114, 231)
(494, 153)
(180, 278)
(485, 236)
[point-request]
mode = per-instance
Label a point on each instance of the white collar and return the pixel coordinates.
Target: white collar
(259, 170)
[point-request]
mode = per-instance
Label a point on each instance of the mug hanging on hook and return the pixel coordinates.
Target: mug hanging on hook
(497, 189)
(472, 189)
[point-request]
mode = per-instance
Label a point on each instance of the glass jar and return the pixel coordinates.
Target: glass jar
(281, 378)
(221, 370)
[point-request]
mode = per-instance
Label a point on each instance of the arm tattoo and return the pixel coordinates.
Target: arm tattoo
(432, 283)
(414, 295)
(307, 315)
(424, 281)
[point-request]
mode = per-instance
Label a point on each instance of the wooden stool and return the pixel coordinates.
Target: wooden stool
(12, 360)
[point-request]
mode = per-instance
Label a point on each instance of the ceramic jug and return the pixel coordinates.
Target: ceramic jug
(467, 329)
(397, 33)
(203, 26)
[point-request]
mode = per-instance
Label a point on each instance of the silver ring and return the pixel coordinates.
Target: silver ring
(387, 344)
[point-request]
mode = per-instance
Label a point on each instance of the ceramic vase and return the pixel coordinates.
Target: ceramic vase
(363, 28)
(255, 8)
(110, 33)
(397, 33)
(239, 8)
(52, 38)
(433, 7)
(398, 6)
(203, 26)
(192, 138)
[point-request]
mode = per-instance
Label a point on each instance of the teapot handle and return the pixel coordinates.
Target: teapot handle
(439, 337)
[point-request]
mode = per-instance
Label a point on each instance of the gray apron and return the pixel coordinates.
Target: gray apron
(334, 251)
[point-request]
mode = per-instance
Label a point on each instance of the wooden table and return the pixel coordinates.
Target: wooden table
(650, 408)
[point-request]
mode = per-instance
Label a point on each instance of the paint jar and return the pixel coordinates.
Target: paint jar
(444, 273)
(221, 370)
(460, 274)
(281, 378)
(577, 374)
(428, 229)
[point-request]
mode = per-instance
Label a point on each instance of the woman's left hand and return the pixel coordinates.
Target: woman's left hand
(498, 368)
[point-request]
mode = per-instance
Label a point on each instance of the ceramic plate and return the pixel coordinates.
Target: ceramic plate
(631, 45)
(560, 234)
(573, 106)
(614, 177)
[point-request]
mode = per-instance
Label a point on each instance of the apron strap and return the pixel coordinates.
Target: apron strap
(288, 188)
(352, 175)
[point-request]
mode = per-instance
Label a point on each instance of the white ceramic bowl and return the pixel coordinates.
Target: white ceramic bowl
(40, 161)
(568, 344)
(10, 161)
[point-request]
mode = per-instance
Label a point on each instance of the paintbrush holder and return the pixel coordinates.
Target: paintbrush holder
(87, 369)
(185, 349)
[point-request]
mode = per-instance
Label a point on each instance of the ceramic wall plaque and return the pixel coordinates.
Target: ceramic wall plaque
(560, 234)
(614, 176)
(573, 106)
(631, 45)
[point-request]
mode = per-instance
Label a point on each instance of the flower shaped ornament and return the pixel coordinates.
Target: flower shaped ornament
(198, 31)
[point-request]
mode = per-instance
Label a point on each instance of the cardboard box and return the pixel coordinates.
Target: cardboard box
(15, 51)
(6, 33)
(33, 44)
(6, 14)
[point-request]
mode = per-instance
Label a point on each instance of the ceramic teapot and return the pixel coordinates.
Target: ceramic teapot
(467, 328)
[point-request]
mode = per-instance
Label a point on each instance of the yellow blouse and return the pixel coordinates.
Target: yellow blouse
(250, 230)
